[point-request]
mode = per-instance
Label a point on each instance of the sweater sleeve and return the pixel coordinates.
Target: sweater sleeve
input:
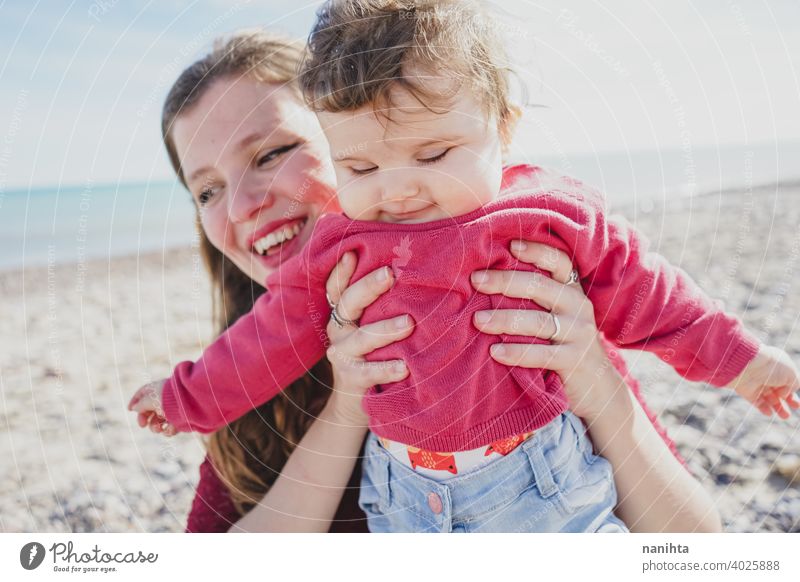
(267, 349)
(640, 300)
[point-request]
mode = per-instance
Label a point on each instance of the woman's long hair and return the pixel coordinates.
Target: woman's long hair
(250, 452)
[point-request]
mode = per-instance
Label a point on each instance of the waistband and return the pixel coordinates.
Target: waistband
(441, 466)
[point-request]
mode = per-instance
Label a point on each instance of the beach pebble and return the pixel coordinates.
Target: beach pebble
(788, 467)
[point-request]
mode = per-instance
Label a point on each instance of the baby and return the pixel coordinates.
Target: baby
(413, 98)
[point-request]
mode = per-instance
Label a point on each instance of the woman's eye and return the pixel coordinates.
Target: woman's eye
(205, 196)
(363, 169)
(273, 155)
(434, 158)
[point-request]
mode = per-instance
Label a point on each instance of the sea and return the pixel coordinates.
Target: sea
(75, 223)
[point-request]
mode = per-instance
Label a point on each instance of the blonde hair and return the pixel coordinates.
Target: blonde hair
(250, 452)
(361, 50)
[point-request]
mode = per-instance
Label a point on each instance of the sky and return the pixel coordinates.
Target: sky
(81, 83)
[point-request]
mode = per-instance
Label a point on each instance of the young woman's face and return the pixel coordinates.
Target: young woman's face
(258, 167)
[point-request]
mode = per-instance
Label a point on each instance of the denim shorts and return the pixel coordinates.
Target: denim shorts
(553, 482)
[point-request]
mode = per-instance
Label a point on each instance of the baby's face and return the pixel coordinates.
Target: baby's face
(419, 166)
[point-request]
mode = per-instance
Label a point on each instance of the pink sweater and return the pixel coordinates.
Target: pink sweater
(456, 397)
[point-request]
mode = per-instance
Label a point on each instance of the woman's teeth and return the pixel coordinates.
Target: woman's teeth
(277, 237)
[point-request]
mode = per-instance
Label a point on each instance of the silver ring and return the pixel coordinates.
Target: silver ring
(558, 327)
(573, 277)
(341, 321)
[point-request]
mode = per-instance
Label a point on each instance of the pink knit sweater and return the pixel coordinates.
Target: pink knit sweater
(456, 397)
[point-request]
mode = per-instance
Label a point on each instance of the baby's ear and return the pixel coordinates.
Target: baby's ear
(508, 125)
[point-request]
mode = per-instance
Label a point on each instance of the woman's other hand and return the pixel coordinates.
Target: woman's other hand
(352, 374)
(575, 351)
(656, 494)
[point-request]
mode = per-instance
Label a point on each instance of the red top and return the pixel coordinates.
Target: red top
(456, 397)
(213, 511)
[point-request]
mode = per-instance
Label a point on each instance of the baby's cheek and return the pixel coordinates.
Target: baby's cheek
(353, 205)
(462, 199)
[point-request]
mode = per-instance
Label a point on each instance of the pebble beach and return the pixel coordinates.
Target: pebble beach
(80, 338)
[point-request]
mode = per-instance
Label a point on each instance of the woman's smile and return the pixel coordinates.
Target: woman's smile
(268, 239)
(278, 241)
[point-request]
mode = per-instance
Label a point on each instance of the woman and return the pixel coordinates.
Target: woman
(254, 158)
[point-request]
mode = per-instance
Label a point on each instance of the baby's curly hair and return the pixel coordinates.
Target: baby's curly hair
(361, 50)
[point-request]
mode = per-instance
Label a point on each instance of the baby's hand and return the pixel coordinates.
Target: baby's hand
(769, 382)
(146, 402)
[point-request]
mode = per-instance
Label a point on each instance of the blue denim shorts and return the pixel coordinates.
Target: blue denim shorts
(553, 482)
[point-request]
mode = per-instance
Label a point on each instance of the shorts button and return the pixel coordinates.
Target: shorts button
(435, 503)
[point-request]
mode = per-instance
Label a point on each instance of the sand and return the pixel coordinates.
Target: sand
(79, 339)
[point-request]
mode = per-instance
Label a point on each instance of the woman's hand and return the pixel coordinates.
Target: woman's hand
(575, 353)
(655, 492)
(352, 374)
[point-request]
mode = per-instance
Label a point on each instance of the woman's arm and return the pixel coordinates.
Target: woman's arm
(306, 495)
(656, 493)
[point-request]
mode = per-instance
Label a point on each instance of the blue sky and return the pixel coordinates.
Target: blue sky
(81, 83)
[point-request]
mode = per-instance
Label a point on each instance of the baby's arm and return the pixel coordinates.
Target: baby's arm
(644, 302)
(667, 313)
(640, 300)
(252, 361)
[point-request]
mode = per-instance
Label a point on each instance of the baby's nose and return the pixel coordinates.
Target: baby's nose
(400, 191)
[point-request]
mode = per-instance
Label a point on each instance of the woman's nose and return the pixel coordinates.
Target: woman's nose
(248, 200)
